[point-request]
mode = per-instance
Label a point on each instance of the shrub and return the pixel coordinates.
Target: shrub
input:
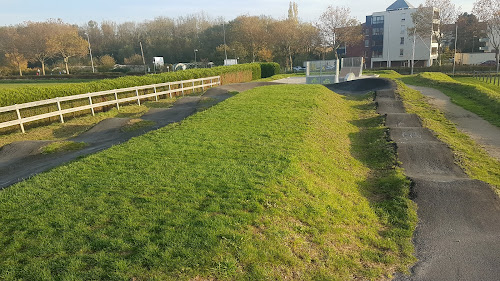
(269, 69)
(229, 74)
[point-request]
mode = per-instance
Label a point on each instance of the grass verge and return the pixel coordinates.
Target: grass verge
(280, 182)
(60, 146)
(472, 95)
(468, 154)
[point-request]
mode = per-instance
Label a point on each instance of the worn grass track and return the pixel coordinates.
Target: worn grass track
(277, 182)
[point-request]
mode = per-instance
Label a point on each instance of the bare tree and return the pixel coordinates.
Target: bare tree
(488, 11)
(448, 14)
(337, 28)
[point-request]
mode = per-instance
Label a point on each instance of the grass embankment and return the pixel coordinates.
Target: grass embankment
(473, 96)
(468, 154)
(280, 182)
(10, 84)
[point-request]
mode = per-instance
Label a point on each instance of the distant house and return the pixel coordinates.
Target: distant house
(387, 42)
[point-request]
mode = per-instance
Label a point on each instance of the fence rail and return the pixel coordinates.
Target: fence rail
(148, 91)
(488, 77)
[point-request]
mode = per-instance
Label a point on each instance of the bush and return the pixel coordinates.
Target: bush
(229, 74)
(269, 69)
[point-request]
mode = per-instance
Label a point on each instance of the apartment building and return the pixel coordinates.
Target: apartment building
(387, 42)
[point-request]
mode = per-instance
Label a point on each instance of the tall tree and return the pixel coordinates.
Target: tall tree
(489, 12)
(447, 15)
(36, 37)
(12, 44)
(338, 28)
(66, 42)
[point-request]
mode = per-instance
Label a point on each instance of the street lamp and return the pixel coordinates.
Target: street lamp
(90, 52)
(224, 29)
(195, 65)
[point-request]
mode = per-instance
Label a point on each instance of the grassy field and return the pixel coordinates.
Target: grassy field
(280, 182)
(468, 154)
(10, 84)
(472, 95)
(472, 80)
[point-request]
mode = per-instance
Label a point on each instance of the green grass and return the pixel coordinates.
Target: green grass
(279, 182)
(473, 96)
(472, 80)
(280, 76)
(60, 146)
(475, 161)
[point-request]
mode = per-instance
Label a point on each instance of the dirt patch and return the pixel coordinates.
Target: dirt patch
(481, 131)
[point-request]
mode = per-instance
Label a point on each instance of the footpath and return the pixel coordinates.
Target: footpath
(21, 160)
(458, 234)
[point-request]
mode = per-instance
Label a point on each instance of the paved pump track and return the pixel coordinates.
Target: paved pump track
(458, 234)
(22, 160)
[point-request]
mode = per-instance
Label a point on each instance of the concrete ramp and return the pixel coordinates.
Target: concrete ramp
(385, 106)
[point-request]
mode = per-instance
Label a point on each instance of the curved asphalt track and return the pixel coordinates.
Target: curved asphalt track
(22, 160)
(458, 234)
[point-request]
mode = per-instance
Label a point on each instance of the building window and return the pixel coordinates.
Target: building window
(401, 52)
(367, 43)
(378, 20)
(403, 19)
(434, 50)
(377, 54)
(403, 29)
(378, 31)
(402, 41)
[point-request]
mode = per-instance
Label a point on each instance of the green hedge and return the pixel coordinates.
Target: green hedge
(269, 69)
(237, 73)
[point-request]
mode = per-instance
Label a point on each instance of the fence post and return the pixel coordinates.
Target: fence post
(91, 106)
(137, 94)
(170, 90)
(193, 87)
(182, 88)
(202, 87)
(20, 119)
(59, 109)
(156, 96)
(117, 102)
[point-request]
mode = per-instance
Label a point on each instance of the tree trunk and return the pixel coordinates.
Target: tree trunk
(66, 63)
(43, 67)
(20, 70)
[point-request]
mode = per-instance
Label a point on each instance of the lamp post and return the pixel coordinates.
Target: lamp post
(224, 29)
(195, 64)
(90, 52)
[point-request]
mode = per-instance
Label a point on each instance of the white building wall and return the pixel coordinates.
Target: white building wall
(396, 24)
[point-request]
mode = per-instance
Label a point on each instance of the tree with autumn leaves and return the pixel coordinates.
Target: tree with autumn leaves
(41, 41)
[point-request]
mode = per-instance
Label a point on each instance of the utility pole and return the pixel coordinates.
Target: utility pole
(413, 51)
(224, 29)
(90, 52)
(143, 60)
(195, 64)
(455, 51)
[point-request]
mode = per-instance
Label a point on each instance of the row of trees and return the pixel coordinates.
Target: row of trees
(247, 38)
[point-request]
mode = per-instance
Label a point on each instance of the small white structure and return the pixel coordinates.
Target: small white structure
(158, 62)
(473, 58)
(230, 61)
(330, 71)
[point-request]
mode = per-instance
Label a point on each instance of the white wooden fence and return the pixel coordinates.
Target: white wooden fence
(173, 87)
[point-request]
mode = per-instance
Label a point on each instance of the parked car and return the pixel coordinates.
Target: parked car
(299, 68)
(489, 62)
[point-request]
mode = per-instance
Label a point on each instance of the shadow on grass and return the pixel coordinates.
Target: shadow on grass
(387, 188)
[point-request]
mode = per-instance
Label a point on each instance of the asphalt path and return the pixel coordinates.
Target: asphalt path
(458, 233)
(22, 160)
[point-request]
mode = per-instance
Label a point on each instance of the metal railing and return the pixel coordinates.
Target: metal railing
(488, 77)
(147, 91)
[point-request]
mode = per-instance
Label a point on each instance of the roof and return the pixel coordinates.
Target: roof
(399, 5)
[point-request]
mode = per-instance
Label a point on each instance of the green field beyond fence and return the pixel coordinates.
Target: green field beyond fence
(277, 183)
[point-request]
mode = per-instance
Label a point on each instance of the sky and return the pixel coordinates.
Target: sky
(13, 12)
